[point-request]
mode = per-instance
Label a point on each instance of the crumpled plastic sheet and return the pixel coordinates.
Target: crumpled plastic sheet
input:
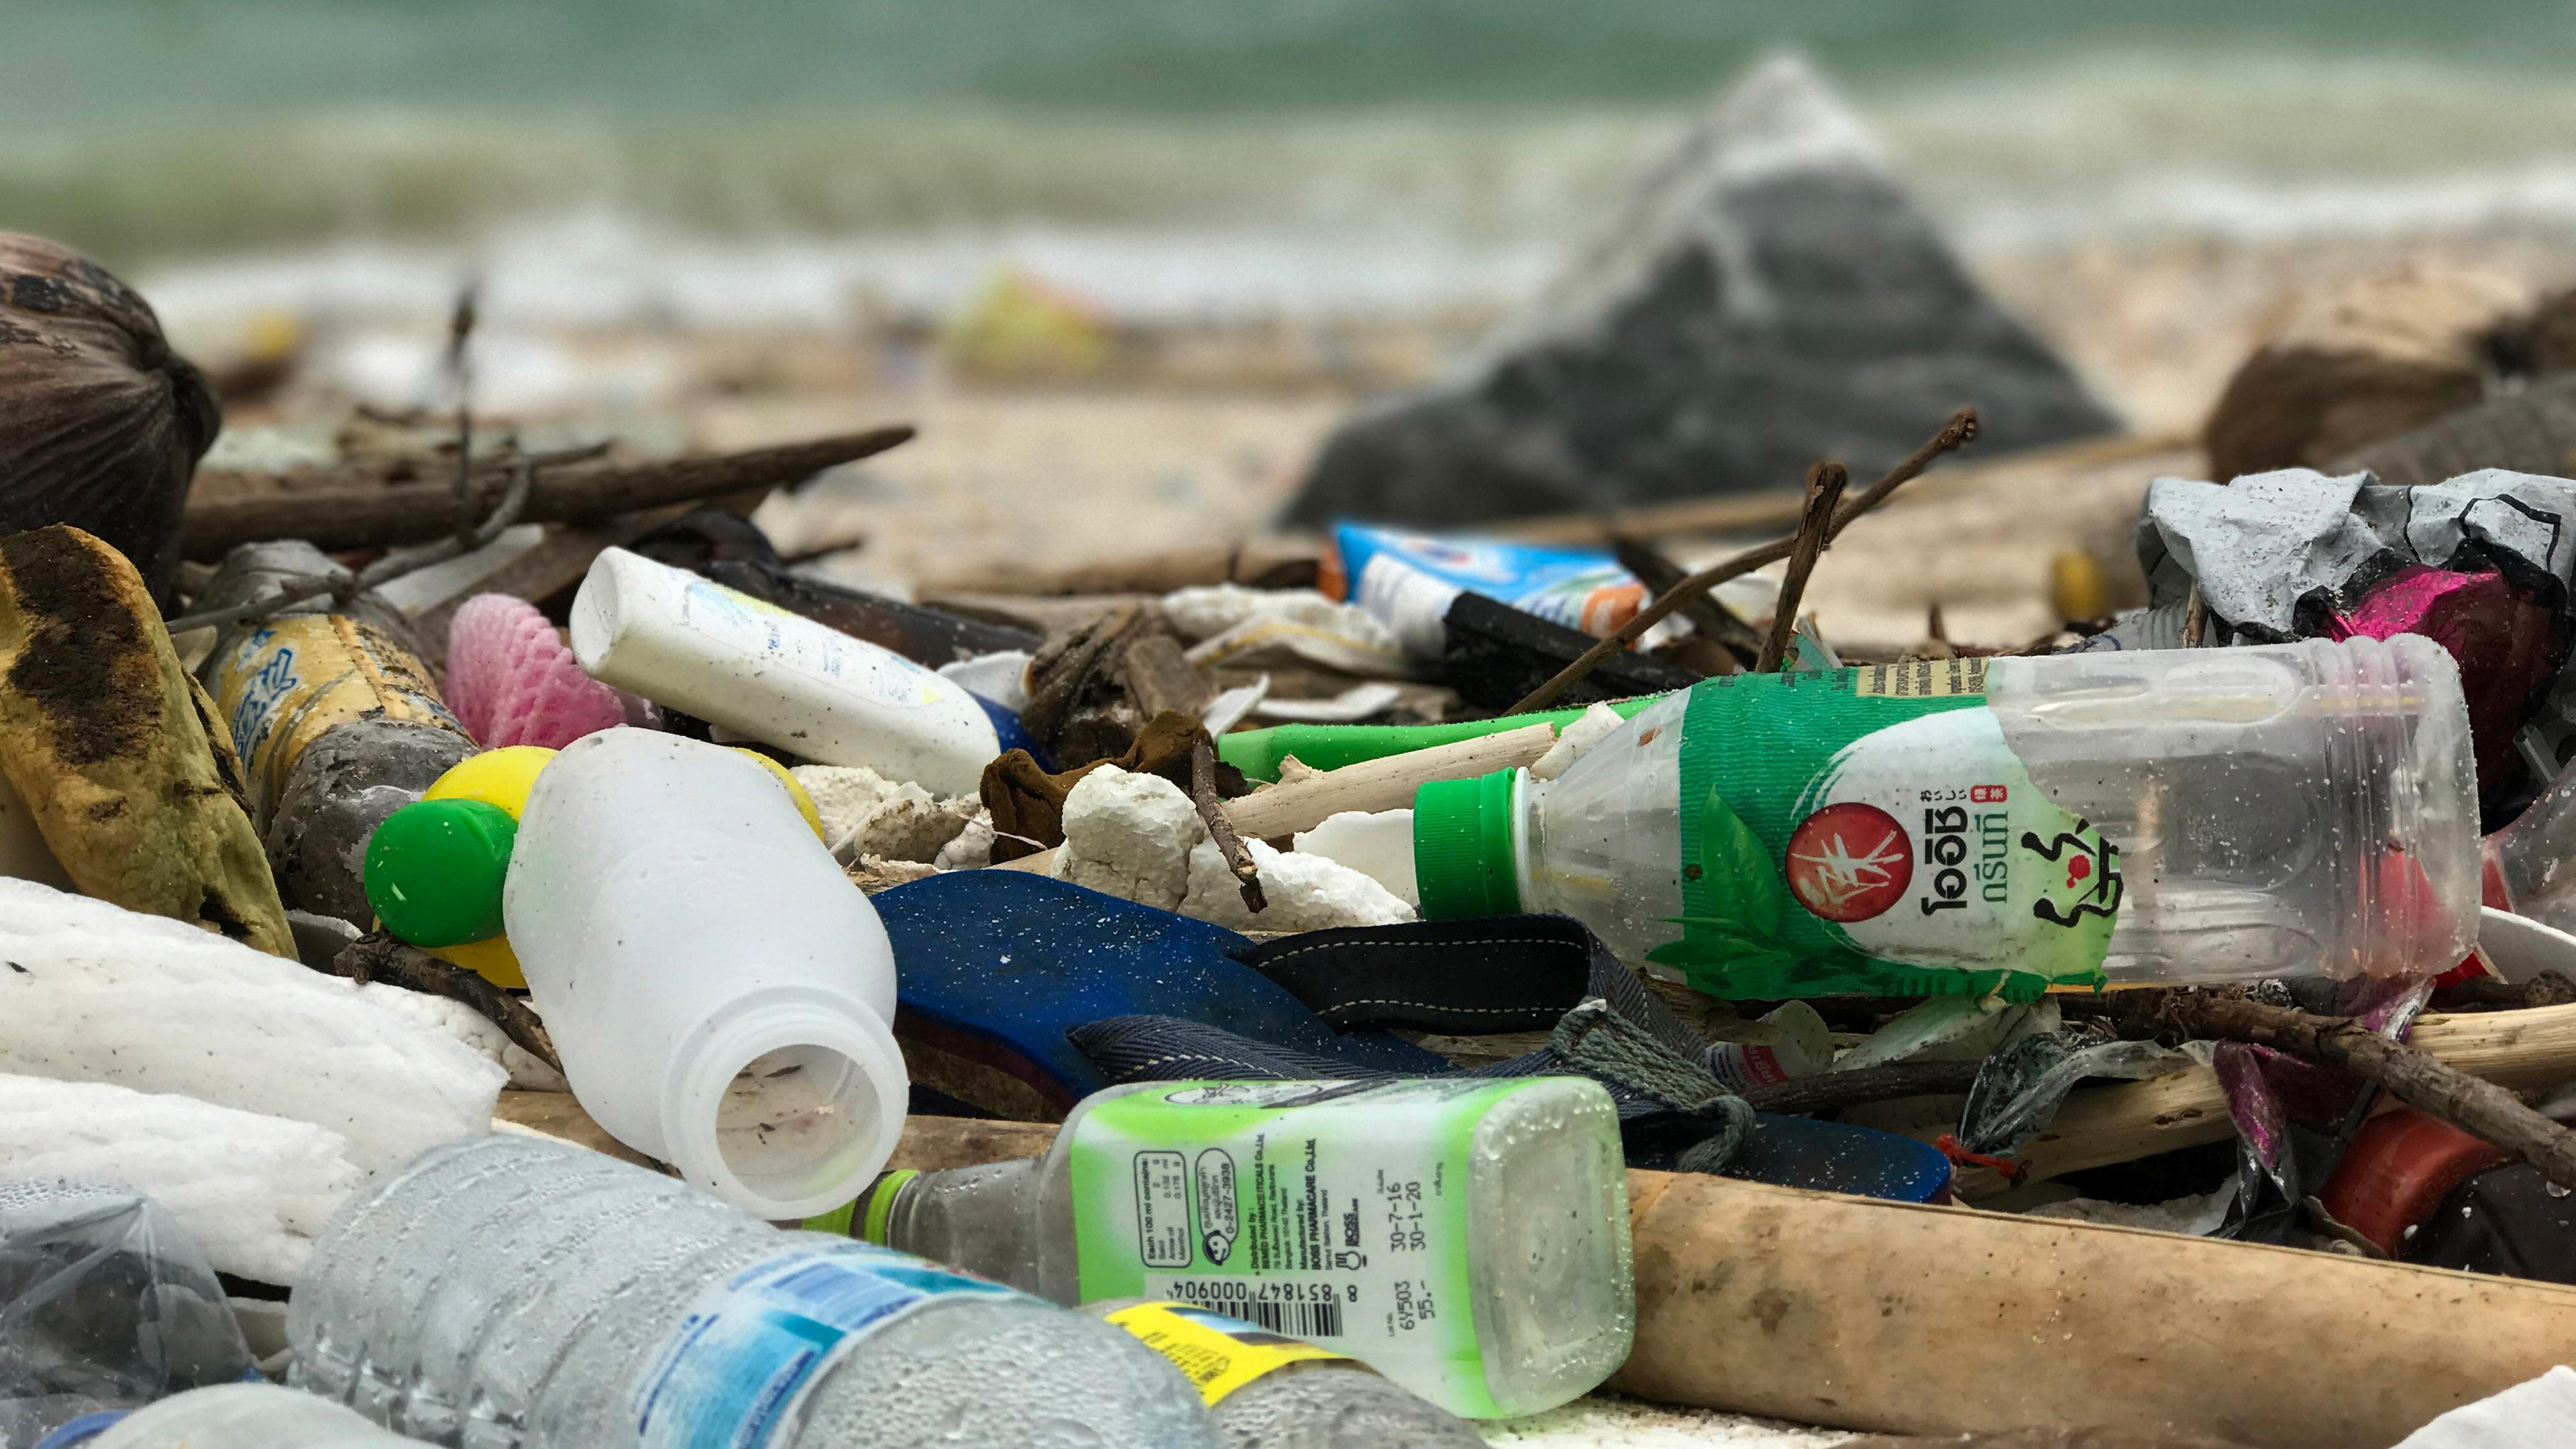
(2021, 1086)
(2483, 564)
(105, 1303)
(2294, 1117)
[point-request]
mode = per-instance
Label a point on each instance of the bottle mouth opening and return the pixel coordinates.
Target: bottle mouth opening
(791, 1121)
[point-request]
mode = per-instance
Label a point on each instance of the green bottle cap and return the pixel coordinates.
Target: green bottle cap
(1462, 848)
(434, 871)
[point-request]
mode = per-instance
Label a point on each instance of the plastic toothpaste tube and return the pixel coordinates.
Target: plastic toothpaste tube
(1409, 580)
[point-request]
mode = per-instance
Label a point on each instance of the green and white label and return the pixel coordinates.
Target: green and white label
(1334, 1212)
(1869, 830)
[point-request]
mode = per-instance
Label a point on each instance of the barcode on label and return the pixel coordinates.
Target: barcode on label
(1319, 1319)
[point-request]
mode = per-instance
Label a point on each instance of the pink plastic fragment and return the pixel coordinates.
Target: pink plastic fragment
(512, 680)
(2502, 636)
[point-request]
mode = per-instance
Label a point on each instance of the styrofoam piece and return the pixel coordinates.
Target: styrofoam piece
(1378, 844)
(2520, 948)
(1129, 836)
(1598, 723)
(1303, 893)
(2531, 1415)
(94, 992)
(477, 1031)
(251, 1189)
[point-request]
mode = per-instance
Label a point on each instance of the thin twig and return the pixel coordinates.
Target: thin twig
(460, 379)
(1708, 614)
(2414, 1077)
(2195, 618)
(1961, 429)
(377, 956)
(1825, 484)
(1238, 856)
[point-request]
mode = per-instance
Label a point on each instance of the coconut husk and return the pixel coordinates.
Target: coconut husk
(104, 422)
(114, 747)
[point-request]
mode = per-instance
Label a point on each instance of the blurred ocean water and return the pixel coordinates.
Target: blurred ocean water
(1186, 156)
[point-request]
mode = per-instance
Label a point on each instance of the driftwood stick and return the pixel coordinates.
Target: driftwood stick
(379, 957)
(1825, 484)
(2413, 1077)
(1709, 617)
(1238, 856)
(1959, 431)
(363, 513)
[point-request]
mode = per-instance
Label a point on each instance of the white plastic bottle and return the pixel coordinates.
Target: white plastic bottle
(1466, 1237)
(777, 677)
(719, 992)
(245, 1416)
(1272, 1392)
(2200, 815)
(511, 1293)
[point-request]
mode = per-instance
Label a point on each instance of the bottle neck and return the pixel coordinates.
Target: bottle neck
(976, 1218)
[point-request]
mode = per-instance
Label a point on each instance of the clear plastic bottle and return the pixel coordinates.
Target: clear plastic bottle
(1270, 1392)
(244, 1416)
(509, 1293)
(2157, 816)
(1466, 1237)
(2531, 864)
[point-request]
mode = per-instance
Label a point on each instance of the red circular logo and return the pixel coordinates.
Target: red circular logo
(1849, 862)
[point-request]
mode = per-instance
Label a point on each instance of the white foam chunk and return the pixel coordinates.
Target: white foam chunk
(1129, 836)
(252, 1190)
(93, 992)
(477, 1031)
(1302, 893)
(1377, 844)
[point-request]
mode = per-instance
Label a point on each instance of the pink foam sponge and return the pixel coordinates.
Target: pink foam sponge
(512, 681)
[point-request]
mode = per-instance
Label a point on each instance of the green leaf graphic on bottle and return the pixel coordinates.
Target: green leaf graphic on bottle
(1739, 896)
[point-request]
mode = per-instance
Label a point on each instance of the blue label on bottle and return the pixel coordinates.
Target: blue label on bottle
(736, 1370)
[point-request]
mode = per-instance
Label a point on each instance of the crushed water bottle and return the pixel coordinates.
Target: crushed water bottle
(508, 1293)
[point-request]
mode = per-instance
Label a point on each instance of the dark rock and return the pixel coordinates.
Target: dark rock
(1769, 298)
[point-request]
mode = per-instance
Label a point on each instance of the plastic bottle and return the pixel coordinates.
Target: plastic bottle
(511, 1293)
(2177, 816)
(2530, 865)
(240, 1416)
(1466, 1237)
(1271, 1392)
(717, 988)
(337, 722)
(769, 675)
